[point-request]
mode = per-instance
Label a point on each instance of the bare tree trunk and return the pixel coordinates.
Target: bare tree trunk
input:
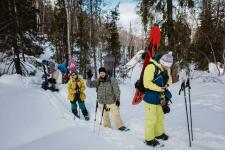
(67, 7)
(15, 46)
(170, 24)
(38, 16)
(224, 62)
(206, 56)
(100, 54)
(23, 56)
(17, 58)
(91, 38)
(213, 53)
(174, 73)
(43, 17)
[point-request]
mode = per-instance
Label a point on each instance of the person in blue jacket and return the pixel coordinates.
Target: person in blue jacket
(156, 80)
(65, 73)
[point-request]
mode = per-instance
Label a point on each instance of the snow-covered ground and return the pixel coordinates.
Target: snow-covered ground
(34, 119)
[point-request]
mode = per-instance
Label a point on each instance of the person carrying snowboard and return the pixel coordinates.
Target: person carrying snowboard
(108, 96)
(76, 95)
(156, 80)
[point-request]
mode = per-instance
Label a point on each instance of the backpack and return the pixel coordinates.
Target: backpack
(139, 84)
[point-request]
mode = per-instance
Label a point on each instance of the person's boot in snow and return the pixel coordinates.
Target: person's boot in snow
(153, 143)
(123, 128)
(75, 113)
(44, 85)
(85, 113)
(163, 137)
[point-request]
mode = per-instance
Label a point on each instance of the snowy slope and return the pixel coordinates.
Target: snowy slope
(34, 119)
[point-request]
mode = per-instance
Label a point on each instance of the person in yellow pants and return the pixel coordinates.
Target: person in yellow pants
(156, 80)
(108, 97)
(114, 109)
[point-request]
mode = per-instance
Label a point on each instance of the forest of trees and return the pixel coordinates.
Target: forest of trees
(83, 29)
(193, 29)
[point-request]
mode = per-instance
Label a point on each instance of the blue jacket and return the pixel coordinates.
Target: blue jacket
(63, 68)
(153, 81)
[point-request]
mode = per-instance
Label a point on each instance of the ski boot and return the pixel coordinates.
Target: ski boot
(85, 113)
(123, 128)
(163, 137)
(74, 111)
(153, 143)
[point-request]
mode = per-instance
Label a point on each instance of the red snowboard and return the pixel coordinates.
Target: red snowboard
(153, 43)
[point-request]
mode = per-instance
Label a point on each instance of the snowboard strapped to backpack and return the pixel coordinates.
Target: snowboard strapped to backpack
(152, 47)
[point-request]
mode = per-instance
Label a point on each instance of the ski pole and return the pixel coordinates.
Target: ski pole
(189, 96)
(103, 109)
(78, 110)
(96, 109)
(183, 89)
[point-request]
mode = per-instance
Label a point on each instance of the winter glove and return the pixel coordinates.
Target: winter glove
(89, 74)
(118, 103)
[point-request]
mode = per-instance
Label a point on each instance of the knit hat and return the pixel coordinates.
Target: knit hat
(44, 62)
(102, 69)
(72, 67)
(167, 60)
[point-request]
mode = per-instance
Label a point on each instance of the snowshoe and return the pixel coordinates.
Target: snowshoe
(53, 89)
(76, 116)
(44, 85)
(85, 114)
(86, 118)
(163, 137)
(154, 143)
(125, 129)
(74, 111)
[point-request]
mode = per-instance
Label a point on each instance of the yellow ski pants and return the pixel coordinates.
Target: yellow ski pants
(115, 116)
(154, 124)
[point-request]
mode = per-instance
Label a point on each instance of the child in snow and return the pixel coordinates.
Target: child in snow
(76, 94)
(156, 85)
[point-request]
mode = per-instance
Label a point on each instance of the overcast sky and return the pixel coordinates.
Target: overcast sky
(127, 9)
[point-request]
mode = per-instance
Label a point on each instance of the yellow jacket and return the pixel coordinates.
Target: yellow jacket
(71, 86)
(149, 76)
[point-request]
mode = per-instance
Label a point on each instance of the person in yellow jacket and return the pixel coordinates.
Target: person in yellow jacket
(156, 80)
(76, 94)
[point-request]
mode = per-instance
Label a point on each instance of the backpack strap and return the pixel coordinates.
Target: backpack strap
(156, 70)
(165, 75)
